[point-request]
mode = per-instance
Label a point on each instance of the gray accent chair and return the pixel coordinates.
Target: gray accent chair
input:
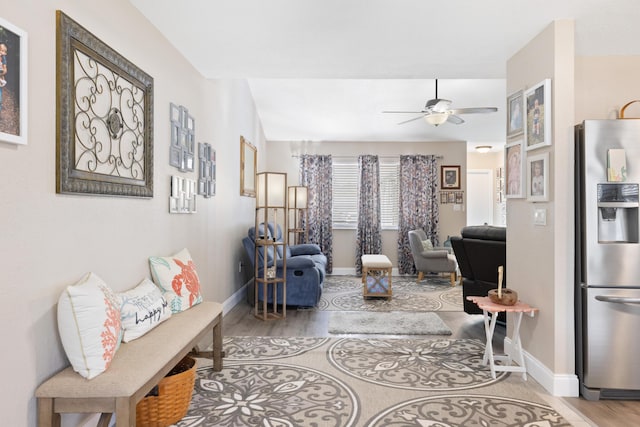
(431, 260)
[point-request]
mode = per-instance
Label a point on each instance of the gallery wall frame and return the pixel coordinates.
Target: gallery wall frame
(538, 113)
(450, 177)
(104, 117)
(13, 88)
(206, 170)
(183, 138)
(248, 166)
(515, 114)
(514, 169)
(538, 178)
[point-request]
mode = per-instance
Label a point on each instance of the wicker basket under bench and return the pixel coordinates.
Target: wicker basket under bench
(136, 368)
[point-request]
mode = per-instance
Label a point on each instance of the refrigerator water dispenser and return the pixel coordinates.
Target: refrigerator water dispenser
(618, 213)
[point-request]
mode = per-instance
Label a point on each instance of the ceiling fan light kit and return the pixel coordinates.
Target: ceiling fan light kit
(436, 119)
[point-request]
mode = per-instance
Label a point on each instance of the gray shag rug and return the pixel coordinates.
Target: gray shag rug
(387, 323)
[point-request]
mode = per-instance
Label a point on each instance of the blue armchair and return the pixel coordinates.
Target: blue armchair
(305, 268)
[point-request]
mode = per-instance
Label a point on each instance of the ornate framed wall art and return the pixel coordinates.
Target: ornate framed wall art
(104, 117)
(13, 84)
(183, 138)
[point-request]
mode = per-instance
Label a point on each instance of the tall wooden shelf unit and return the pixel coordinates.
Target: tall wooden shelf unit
(271, 208)
(297, 211)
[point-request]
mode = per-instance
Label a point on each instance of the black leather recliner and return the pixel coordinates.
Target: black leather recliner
(480, 250)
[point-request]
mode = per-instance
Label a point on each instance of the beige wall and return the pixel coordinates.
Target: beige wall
(48, 241)
(454, 153)
(540, 258)
(492, 160)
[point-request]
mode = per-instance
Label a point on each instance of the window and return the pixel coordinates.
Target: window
(345, 193)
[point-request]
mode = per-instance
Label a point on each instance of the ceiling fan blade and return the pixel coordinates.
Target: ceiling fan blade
(474, 110)
(455, 119)
(407, 112)
(411, 120)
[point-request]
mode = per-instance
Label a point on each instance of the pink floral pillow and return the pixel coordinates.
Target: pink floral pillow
(89, 325)
(177, 277)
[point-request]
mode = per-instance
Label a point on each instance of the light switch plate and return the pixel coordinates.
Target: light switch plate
(540, 217)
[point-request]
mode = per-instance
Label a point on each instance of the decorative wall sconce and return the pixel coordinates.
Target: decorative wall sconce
(183, 137)
(183, 195)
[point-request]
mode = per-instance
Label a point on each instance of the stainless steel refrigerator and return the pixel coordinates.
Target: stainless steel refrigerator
(607, 258)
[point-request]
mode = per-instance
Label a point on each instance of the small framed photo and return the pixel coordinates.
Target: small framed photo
(514, 169)
(538, 178)
(538, 124)
(515, 114)
(13, 84)
(450, 177)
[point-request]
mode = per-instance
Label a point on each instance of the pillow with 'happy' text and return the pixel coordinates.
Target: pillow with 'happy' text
(143, 308)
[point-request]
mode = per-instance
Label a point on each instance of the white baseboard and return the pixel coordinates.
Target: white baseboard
(233, 300)
(560, 385)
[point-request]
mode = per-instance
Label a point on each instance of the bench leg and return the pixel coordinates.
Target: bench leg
(125, 412)
(105, 419)
(46, 416)
(217, 345)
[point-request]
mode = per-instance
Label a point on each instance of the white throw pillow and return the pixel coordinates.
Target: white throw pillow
(177, 277)
(143, 308)
(427, 245)
(89, 325)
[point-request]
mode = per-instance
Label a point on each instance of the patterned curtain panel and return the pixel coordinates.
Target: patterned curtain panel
(368, 240)
(315, 173)
(418, 205)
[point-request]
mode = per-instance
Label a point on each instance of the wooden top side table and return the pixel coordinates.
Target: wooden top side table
(519, 309)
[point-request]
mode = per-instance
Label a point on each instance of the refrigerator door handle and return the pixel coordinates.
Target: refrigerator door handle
(618, 300)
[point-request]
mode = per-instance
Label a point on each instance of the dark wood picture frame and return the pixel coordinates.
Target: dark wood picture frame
(450, 177)
(104, 117)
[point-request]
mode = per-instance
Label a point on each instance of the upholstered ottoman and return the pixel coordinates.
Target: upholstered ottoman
(376, 276)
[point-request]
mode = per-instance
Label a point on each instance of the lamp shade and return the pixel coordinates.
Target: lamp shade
(271, 189)
(298, 197)
(436, 119)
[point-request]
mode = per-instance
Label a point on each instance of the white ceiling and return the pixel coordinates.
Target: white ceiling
(324, 70)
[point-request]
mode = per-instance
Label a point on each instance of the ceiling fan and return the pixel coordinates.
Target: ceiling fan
(437, 111)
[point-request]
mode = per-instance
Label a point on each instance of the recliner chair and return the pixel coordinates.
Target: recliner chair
(480, 250)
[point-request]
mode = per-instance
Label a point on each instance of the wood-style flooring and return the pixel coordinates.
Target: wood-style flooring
(241, 322)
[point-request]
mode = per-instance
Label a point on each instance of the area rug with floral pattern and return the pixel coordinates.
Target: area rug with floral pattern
(342, 382)
(433, 293)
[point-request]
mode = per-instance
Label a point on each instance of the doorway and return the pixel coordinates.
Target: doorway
(479, 196)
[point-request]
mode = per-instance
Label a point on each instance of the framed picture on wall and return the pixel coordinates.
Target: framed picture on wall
(538, 178)
(13, 84)
(538, 124)
(450, 177)
(515, 109)
(514, 169)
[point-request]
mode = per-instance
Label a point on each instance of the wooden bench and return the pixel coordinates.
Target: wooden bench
(136, 368)
(376, 276)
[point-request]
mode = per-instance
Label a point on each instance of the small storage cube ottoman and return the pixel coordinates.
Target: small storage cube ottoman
(376, 276)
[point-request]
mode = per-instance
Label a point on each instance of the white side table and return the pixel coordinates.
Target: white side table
(519, 309)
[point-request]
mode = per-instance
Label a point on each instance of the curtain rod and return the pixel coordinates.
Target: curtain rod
(381, 157)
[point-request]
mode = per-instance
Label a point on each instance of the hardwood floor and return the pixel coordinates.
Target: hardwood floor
(606, 413)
